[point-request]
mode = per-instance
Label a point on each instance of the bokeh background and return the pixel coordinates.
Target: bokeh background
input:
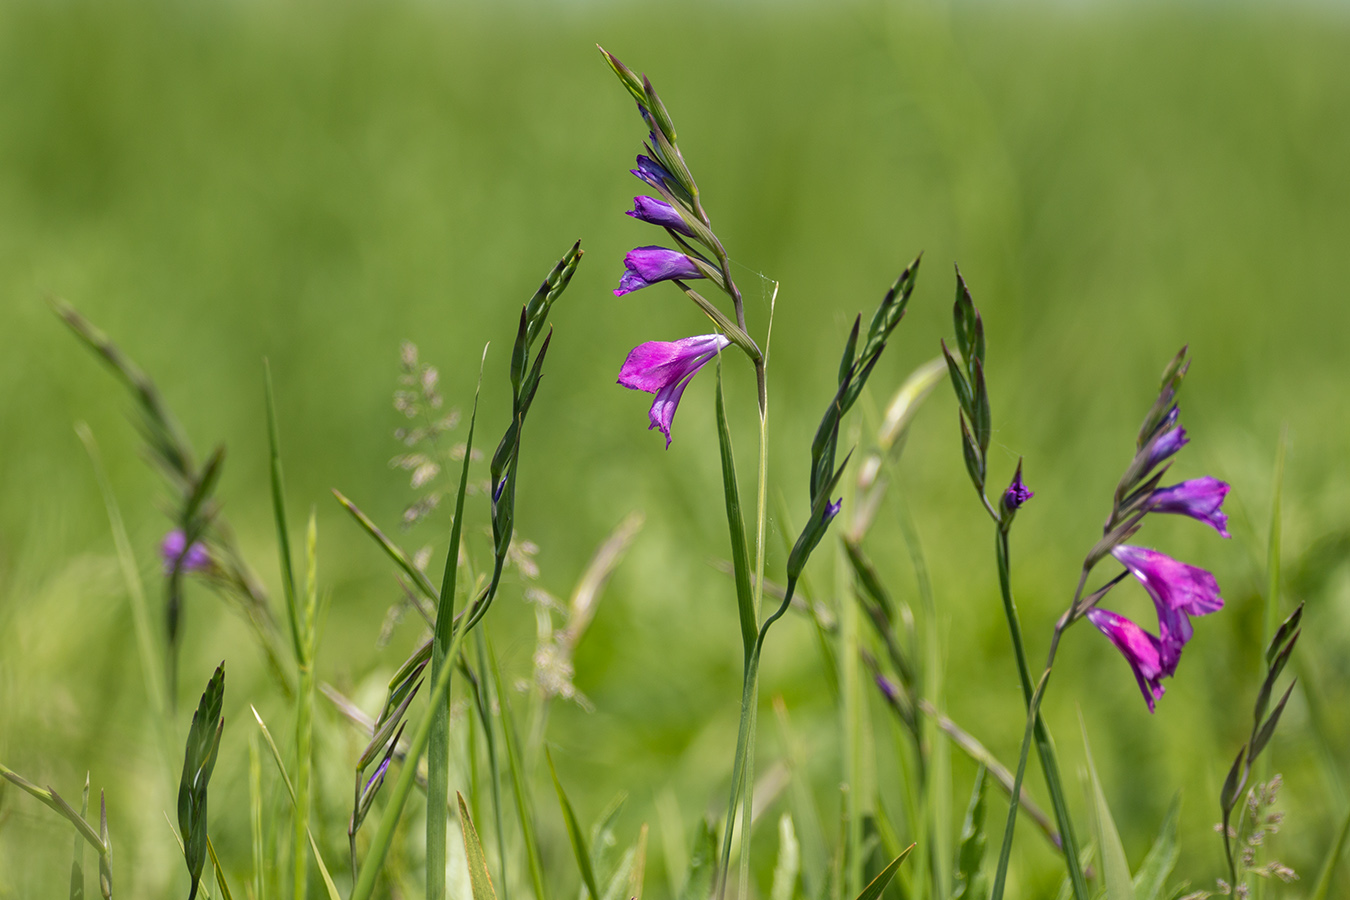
(218, 183)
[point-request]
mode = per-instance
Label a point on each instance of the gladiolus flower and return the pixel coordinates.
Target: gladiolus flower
(665, 368)
(175, 553)
(1178, 591)
(1199, 498)
(659, 212)
(646, 266)
(1140, 649)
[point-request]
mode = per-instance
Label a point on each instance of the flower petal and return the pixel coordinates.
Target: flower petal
(665, 368)
(645, 266)
(1199, 498)
(1140, 649)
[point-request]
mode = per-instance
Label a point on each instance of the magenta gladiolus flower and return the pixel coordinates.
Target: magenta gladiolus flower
(659, 212)
(1140, 649)
(665, 368)
(1199, 498)
(175, 553)
(647, 265)
(1178, 591)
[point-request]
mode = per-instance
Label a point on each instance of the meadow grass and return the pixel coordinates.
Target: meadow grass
(215, 184)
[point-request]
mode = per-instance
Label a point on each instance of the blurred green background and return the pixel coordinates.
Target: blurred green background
(218, 183)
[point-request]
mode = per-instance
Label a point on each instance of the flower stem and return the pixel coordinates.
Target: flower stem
(1045, 747)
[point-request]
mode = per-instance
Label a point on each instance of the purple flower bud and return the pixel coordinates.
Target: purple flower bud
(891, 692)
(665, 368)
(659, 212)
(1140, 649)
(1178, 591)
(831, 510)
(1017, 492)
(1165, 444)
(1199, 498)
(655, 174)
(175, 553)
(646, 266)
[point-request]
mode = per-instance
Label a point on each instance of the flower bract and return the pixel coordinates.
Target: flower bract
(665, 368)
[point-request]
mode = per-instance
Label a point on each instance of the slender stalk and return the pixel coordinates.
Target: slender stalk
(1036, 728)
(304, 715)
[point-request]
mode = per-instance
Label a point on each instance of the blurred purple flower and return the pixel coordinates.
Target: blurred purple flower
(175, 553)
(659, 212)
(1178, 591)
(665, 368)
(831, 510)
(1199, 498)
(1017, 492)
(1140, 649)
(646, 266)
(1166, 443)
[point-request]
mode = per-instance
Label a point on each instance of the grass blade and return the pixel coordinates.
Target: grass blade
(787, 868)
(199, 760)
(391, 549)
(1115, 867)
(1151, 879)
(279, 510)
(438, 752)
(524, 805)
(574, 833)
(479, 879)
(740, 555)
(220, 873)
(1334, 853)
(304, 713)
(255, 818)
(290, 789)
(77, 863)
(878, 884)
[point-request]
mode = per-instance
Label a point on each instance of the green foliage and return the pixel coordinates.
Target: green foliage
(199, 760)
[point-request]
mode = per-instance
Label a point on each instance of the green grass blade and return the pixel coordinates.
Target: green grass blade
(279, 512)
(290, 789)
(391, 549)
(788, 866)
(574, 833)
(1151, 879)
(220, 872)
(520, 787)
(77, 862)
(151, 668)
(1334, 853)
(255, 818)
(304, 713)
(1115, 872)
(479, 879)
(438, 751)
(740, 555)
(970, 854)
(879, 884)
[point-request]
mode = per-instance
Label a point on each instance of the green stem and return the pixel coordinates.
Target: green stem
(1036, 728)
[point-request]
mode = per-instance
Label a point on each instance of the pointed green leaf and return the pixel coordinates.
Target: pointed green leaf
(1151, 879)
(785, 871)
(873, 890)
(480, 882)
(740, 555)
(1115, 868)
(574, 834)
